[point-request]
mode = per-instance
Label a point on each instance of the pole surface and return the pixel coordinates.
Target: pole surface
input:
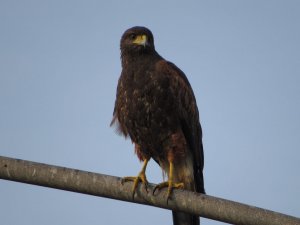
(110, 187)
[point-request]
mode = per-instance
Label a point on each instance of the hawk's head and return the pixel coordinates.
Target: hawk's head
(137, 40)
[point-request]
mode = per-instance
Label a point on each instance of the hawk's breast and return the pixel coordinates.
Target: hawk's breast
(149, 109)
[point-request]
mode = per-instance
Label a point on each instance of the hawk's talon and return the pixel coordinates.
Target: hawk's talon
(136, 180)
(140, 178)
(170, 185)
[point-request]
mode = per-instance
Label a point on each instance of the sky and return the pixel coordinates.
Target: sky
(59, 67)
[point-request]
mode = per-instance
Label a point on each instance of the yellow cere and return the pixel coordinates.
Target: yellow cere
(140, 39)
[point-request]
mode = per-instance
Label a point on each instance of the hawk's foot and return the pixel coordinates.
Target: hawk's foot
(141, 177)
(136, 180)
(170, 185)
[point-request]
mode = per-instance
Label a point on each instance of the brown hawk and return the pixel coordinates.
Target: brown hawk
(156, 107)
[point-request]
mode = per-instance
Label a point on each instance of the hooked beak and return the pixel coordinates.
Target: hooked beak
(141, 40)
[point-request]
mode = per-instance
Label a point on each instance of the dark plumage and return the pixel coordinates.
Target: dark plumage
(156, 107)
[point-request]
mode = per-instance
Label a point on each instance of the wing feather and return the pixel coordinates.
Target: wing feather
(189, 117)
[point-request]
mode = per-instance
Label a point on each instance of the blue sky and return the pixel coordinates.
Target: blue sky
(59, 66)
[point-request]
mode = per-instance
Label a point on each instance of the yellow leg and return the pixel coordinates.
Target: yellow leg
(141, 177)
(170, 184)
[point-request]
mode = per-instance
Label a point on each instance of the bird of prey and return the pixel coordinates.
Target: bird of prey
(155, 106)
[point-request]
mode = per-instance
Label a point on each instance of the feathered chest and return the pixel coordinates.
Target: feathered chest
(146, 104)
(145, 93)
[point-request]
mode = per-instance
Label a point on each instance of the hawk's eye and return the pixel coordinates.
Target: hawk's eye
(132, 36)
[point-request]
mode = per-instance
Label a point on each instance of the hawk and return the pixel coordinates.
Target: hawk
(155, 106)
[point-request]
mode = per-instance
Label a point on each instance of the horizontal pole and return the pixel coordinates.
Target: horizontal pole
(110, 187)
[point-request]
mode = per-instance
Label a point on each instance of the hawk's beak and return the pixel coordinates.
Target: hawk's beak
(141, 40)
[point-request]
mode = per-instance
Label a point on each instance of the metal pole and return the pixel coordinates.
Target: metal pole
(111, 187)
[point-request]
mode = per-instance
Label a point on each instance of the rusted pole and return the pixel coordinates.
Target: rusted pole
(111, 187)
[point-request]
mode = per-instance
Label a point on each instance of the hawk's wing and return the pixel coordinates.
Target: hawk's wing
(189, 117)
(119, 128)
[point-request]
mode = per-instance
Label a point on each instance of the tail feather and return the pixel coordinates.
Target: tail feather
(188, 172)
(193, 181)
(180, 218)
